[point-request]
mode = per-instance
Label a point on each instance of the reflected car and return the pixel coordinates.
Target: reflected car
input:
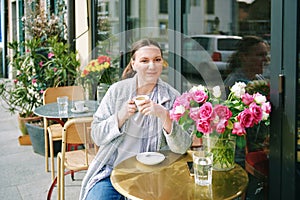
(200, 51)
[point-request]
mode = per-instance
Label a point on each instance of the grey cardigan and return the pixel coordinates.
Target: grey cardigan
(108, 136)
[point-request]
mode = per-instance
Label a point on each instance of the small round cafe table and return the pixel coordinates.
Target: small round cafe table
(51, 110)
(170, 179)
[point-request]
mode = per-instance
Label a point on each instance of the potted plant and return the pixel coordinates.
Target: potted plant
(36, 69)
(43, 60)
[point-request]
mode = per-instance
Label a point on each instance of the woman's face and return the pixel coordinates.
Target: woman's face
(256, 58)
(148, 64)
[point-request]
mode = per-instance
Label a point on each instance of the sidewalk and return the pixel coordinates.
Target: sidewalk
(23, 175)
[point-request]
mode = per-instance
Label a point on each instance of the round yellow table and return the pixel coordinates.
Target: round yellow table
(171, 180)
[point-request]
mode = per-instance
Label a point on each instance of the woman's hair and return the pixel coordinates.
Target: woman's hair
(128, 71)
(243, 47)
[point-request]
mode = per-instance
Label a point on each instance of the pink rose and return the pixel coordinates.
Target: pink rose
(194, 113)
(222, 112)
(184, 100)
(246, 118)
(256, 111)
(199, 96)
(175, 115)
(247, 99)
(221, 126)
(33, 81)
(205, 111)
(238, 129)
(203, 126)
(266, 107)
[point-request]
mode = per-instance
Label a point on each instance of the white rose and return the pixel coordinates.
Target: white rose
(238, 89)
(259, 98)
(179, 109)
(198, 88)
(217, 91)
(265, 116)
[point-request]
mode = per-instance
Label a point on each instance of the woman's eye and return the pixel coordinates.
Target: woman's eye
(158, 60)
(144, 61)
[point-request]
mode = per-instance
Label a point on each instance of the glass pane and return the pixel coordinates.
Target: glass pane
(149, 19)
(106, 35)
(213, 32)
(207, 22)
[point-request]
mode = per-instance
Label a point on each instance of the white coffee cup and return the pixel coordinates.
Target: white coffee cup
(79, 105)
(139, 99)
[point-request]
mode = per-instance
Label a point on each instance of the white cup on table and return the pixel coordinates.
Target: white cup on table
(79, 106)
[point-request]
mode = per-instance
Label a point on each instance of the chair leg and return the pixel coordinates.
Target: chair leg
(54, 183)
(51, 155)
(62, 181)
(72, 175)
(59, 175)
(46, 144)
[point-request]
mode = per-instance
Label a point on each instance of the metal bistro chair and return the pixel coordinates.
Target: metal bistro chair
(75, 131)
(257, 164)
(53, 132)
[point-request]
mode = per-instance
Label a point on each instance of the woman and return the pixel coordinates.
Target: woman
(248, 61)
(121, 131)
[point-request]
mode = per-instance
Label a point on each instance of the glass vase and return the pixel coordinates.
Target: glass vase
(101, 90)
(90, 90)
(223, 150)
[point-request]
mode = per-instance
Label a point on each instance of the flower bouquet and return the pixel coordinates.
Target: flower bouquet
(97, 71)
(95, 68)
(220, 122)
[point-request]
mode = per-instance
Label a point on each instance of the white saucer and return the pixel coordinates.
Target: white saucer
(85, 109)
(150, 158)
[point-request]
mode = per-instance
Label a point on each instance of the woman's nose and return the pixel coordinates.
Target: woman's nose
(151, 64)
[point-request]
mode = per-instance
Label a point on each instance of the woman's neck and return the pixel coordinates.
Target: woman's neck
(144, 88)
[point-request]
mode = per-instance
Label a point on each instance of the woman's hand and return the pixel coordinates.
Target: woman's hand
(128, 109)
(148, 107)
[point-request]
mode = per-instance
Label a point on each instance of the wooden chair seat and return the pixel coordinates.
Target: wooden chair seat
(56, 131)
(73, 160)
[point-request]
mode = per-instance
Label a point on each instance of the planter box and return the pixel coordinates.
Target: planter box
(36, 134)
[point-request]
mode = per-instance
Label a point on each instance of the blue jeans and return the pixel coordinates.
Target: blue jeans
(103, 190)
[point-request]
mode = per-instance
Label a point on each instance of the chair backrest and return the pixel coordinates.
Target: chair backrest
(72, 92)
(77, 131)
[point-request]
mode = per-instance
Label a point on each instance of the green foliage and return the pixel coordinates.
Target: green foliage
(36, 69)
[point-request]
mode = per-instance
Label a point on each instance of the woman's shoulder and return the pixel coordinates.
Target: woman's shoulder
(124, 83)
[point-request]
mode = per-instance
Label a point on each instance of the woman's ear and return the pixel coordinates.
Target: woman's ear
(132, 64)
